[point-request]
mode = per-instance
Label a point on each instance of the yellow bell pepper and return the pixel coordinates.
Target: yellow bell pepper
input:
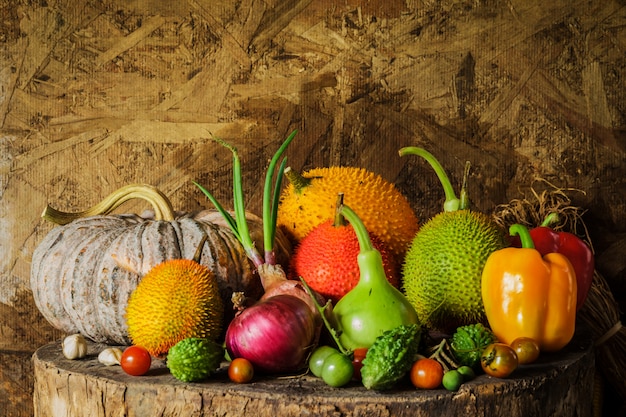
(525, 294)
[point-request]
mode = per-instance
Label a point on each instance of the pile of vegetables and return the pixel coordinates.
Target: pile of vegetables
(372, 335)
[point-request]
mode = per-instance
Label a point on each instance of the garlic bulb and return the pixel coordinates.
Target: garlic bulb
(110, 356)
(74, 346)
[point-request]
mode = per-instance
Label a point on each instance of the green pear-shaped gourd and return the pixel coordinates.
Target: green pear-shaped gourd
(373, 305)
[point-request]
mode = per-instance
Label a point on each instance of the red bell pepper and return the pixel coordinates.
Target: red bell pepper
(579, 254)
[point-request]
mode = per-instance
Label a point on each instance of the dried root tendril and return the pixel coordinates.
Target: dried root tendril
(531, 211)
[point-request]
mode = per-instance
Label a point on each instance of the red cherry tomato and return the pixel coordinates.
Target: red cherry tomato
(357, 362)
(426, 373)
(135, 360)
(527, 350)
(499, 360)
(241, 371)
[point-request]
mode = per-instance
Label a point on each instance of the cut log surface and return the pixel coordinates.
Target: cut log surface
(559, 384)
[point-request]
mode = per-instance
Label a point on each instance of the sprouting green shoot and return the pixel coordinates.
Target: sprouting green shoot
(238, 224)
(229, 219)
(271, 198)
(238, 202)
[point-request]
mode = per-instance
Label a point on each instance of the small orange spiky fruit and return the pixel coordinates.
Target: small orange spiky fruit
(326, 259)
(309, 199)
(176, 299)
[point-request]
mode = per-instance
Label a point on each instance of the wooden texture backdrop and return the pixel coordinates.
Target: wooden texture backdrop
(99, 94)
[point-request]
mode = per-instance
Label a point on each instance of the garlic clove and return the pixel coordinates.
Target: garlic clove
(110, 356)
(74, 346)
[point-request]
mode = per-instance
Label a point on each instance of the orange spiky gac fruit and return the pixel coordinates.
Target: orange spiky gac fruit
(175, 300)
(309, 199)
(326, 259)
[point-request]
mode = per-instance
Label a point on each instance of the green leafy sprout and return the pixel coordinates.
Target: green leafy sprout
(271, 197)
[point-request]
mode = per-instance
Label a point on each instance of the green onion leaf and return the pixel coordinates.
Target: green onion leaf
(270, 203)
(229, 219)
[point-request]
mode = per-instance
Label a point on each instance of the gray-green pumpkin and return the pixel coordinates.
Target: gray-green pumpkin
(85, 269)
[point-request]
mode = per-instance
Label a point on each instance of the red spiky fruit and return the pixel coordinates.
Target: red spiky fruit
(326, 258)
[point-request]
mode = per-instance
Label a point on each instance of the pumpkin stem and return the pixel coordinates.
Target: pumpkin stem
(161, 205)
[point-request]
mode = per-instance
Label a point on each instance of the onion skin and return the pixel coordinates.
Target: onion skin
(276, 334)
(296, 289)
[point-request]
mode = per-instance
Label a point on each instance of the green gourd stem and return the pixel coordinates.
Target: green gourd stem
(452, 203)
(464, 201)
(524, 235)
(365, 244)
(270, 200)
(322, 310)
(339, 219)
(550, 219)
(299, 182)
(370, 260)
(160, 204)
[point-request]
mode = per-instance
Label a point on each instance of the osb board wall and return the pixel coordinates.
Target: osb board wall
(99, 94)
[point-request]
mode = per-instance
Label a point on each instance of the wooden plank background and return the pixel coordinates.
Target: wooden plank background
(96, 95)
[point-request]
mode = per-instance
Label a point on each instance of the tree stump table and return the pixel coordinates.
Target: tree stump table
(559, 384)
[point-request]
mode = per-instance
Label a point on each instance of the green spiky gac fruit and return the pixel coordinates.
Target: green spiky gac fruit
(175, 300)
(385, 212)
(443, 267)
(326, 259)
(194, 359)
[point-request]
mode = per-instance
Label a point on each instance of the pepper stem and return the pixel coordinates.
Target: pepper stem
(550, 219)
(452, 202)
(160, 204)
(524, 235)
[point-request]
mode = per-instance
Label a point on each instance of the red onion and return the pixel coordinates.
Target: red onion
(294, 288)
(276, 334)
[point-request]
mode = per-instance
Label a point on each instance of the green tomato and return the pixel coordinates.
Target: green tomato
(319, 355)
(337, 370)
(467, 372)
(499, 360)
(527, 350)
(452, 380)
